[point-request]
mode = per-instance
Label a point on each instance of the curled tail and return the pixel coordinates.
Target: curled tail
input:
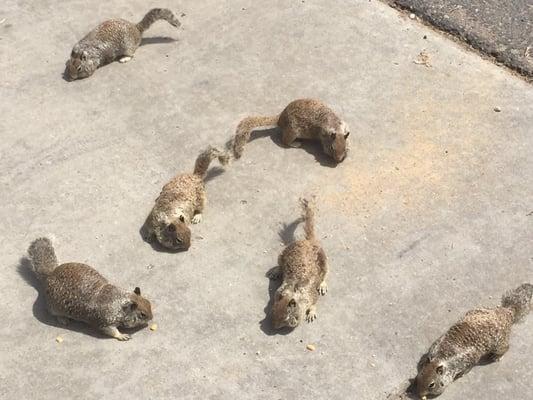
(244, 130)
(308, 215)
(43, 257)
(519, 301)
(204, 159)
(157, 14)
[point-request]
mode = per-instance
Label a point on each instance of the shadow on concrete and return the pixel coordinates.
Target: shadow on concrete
(157, 40)
(40, 312)
(213, 173)
(310, 146)
(286, 233)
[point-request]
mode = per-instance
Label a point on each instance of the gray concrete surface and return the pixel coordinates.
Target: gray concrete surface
(501, 29)
(428, 217)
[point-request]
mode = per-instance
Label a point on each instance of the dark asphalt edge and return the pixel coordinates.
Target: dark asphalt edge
(469, 41)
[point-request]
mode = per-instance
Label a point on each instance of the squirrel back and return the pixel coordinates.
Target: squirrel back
(43, 257)
(519, 301)
(204, 159)
(157, 14)
(244, 130)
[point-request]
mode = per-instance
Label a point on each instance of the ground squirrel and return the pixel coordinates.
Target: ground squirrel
(180, 203)
(112, 39)
(301, 119)
(481, 333)
(77, 291)
(303, 269)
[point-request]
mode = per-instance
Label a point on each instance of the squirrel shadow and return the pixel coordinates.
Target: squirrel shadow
(157, 40)
(40, 312)
(312, 147)
(286, 234)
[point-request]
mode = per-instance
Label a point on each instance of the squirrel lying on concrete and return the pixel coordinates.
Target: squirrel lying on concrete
(303, 269)
(301, 119)
(481, 333)
(77, 291)
(111, 40)
(180, 203)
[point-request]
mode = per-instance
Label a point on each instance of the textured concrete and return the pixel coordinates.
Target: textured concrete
(429, 216)
(502, 29)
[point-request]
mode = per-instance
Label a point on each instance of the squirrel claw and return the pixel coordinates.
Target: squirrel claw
(124, 59)
(197, 218)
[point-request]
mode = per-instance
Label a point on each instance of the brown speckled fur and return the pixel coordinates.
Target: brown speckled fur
(111, 40)
(181, 202)
(301, 119)
(481, 333)
(77, 291)
(303, 269)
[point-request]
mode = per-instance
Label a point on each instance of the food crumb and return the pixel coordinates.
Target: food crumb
(59, 339)
(153, 327)
(311, 347)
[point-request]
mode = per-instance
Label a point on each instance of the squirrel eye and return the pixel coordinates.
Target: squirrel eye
(143, 315)
(179, 240)
(431, 385)
(79, 68)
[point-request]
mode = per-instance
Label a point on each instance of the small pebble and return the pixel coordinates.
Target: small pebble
(412, 16)
(153, 327)
(311, 347)
(497, 109)
(59, 339)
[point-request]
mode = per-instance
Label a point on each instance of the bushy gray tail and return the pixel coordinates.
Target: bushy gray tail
(308, 215)
(43, 257)
(244, 130)
(204, 159)
(157, 14)
(519, 300)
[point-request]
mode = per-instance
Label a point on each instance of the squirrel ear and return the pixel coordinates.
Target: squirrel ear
(333, 135)
(84, 55)
(346, 136)
(137, 291)
(292, 303)
(440, 369)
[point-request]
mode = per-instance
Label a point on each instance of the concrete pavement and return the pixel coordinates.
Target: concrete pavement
(499, 29)
(429, 216)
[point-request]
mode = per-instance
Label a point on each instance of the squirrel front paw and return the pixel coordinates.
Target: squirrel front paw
(115, 333)
(311, 314)
(323, 288)
(197, 218)
(122, 337)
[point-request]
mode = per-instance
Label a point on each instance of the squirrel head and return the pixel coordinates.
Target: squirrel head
(334, 141)
(286, 312)
(80, 65)
(174, 234)
(432, 378)
(137, 310)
